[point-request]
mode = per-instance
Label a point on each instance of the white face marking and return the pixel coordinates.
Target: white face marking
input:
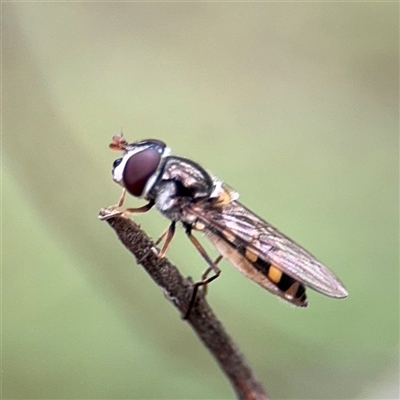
(119, 170)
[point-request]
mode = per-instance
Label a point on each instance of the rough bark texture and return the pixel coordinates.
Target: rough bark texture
(202, 319)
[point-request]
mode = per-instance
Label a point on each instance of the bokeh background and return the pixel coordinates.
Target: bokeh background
(293, 104)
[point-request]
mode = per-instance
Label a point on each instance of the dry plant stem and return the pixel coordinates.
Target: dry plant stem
(179, 291)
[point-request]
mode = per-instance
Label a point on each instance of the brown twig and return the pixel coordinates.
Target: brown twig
(179, 290)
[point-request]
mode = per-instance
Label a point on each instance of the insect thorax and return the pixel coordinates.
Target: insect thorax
(180, 183)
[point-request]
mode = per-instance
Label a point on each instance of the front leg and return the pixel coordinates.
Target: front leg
(113, 212)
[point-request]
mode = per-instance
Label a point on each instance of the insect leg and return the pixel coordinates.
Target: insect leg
(112, 208)
(218, 259)
(205, 280)
(127, 211)
(120, 201)
(170, 232)
(161, 237)
(207, 271)
(138, 210)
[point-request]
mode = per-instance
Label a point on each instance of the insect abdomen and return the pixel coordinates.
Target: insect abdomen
(291, 289)
(258, 270)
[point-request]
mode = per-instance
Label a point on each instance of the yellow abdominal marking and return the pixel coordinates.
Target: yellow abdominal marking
(274, 274)
(229, 236)
(251, 256)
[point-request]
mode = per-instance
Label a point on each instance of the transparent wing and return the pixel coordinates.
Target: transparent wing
(238, 225)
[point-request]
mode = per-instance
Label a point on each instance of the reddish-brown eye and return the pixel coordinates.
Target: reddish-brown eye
(139, 169)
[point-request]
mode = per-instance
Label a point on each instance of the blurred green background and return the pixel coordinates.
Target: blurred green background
(293, 104)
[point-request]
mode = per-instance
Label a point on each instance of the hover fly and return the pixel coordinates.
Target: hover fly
(185, 192)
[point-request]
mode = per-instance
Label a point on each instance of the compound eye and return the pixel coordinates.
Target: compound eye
(139, 169)
(116, 163)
